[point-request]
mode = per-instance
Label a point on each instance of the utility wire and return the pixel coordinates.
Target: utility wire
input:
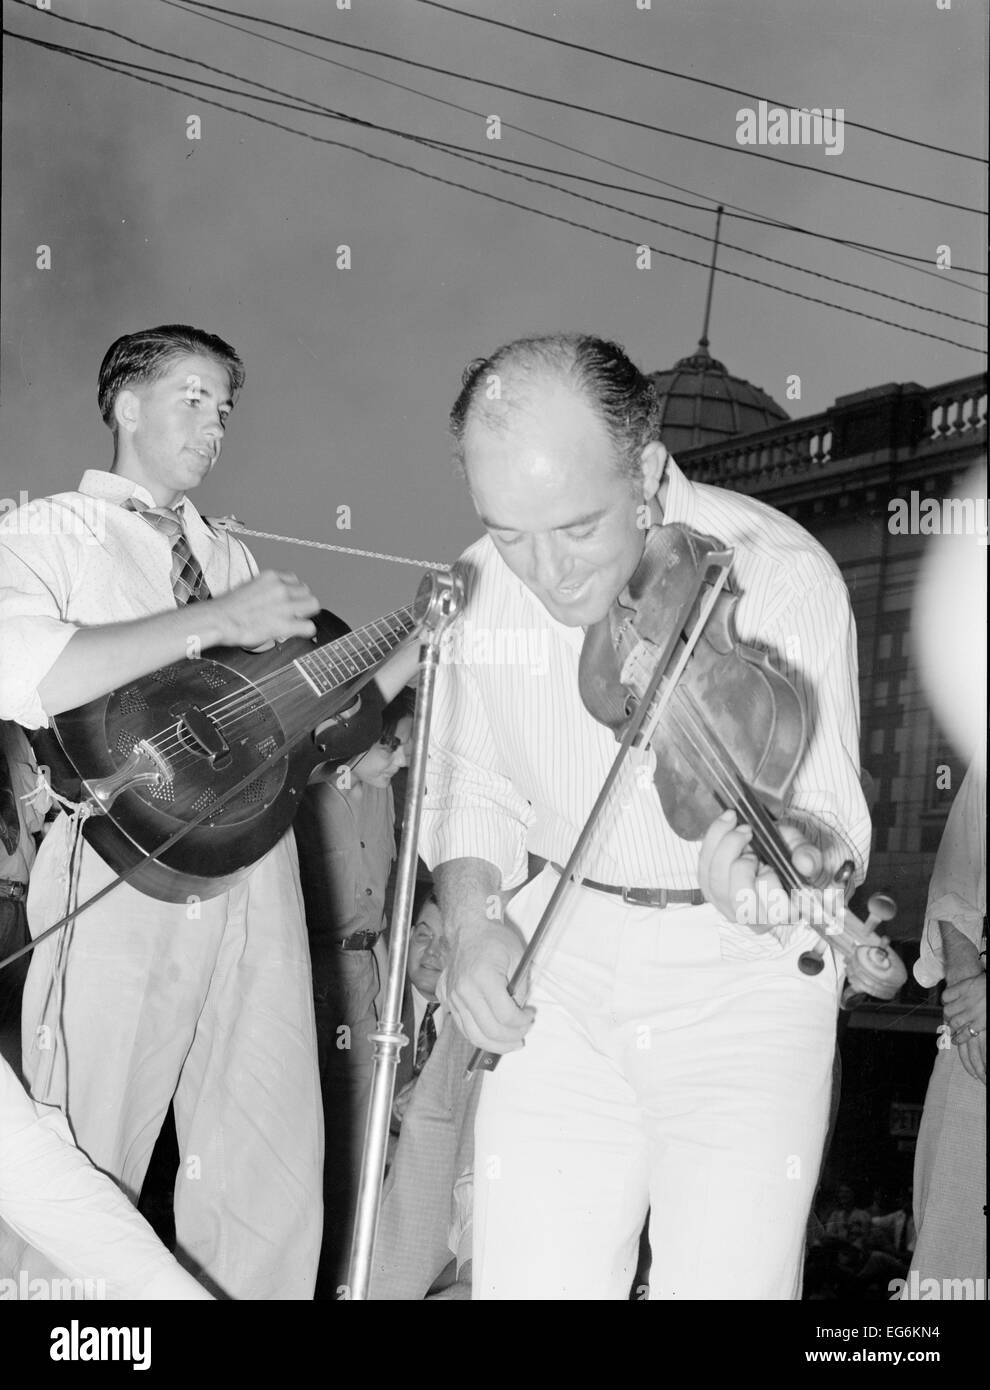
(897, 258)
(917, 264)
(481, 193)
(683, 77)
(290, 101)
(594, 111)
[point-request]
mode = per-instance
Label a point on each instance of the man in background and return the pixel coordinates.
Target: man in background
(950, 1163)
(345, 832)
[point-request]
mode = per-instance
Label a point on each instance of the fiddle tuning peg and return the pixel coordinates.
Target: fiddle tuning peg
(844, 872)
(813, 962)
(881, 908)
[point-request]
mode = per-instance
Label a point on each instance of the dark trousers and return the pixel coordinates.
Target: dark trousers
(346, 987)
(13, 935)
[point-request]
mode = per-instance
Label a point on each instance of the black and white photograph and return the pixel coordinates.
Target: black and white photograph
(493, 715)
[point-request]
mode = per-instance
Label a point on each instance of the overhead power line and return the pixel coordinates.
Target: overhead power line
(919, 265)
(594, 111)
(893, 257)
(686, 77)
(289, 101)
(481, 193)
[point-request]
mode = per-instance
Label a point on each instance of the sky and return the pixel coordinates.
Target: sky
(351, 371)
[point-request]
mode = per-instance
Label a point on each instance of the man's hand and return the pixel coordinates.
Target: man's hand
(973, 1055)
(276, 606)
(476, 987)
(732, 878)
(964, 1005)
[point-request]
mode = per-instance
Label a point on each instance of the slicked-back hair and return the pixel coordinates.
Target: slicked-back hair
(600, 371)
(146, 356)
(397, 709)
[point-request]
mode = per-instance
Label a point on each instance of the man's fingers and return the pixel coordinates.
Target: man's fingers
(967, 1060)
(805, 857)
(477, 1035)
(500, 1017)
(497, 1024)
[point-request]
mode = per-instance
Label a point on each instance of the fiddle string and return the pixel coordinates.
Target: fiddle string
(722, 771)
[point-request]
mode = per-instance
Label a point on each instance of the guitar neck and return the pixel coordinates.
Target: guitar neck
(336, 663)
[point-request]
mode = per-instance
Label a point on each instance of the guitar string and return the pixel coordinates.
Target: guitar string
(232, 707)
(170, 743)
(236, 526)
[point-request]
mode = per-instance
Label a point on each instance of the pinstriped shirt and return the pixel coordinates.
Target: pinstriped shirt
(516, 761)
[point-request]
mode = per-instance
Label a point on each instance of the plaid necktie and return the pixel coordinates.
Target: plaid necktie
(425, 1039)
(188, 581)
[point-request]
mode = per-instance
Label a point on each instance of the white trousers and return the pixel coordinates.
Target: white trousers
(661, 1073)
(212, 1005)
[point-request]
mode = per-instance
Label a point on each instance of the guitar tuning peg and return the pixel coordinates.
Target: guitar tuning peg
(881, 908)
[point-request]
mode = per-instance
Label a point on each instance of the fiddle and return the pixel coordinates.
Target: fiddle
(665, 667)
(731, 735)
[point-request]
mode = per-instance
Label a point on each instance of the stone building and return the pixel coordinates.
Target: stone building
(838, 473)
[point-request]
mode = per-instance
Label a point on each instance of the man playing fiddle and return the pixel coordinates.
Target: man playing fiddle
(671, 1055)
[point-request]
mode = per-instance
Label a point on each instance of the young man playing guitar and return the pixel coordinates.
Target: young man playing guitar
(139, 1001)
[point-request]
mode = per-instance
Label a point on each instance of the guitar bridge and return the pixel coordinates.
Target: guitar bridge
(145, 767)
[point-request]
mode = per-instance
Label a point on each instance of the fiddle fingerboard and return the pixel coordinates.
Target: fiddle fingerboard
(330, 666)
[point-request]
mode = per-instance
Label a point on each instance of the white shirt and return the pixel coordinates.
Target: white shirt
(516, 761)
(958, 889)
(79, 559)
(58, 1202)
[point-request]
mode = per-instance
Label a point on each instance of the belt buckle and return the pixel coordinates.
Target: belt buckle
(645, 897)
(11, 888)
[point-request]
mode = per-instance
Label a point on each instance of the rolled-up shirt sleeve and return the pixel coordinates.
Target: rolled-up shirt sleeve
(471, 809)
(34, 579)
(52, 1197)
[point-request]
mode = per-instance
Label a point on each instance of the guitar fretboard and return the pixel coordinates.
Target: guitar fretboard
(333, 665)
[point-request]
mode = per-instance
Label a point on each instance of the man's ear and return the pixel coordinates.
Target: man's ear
(127, 410)
(653, 461)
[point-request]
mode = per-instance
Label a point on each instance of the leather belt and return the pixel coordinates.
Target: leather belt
(358, 941)
(10, 888)
(645, 897)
